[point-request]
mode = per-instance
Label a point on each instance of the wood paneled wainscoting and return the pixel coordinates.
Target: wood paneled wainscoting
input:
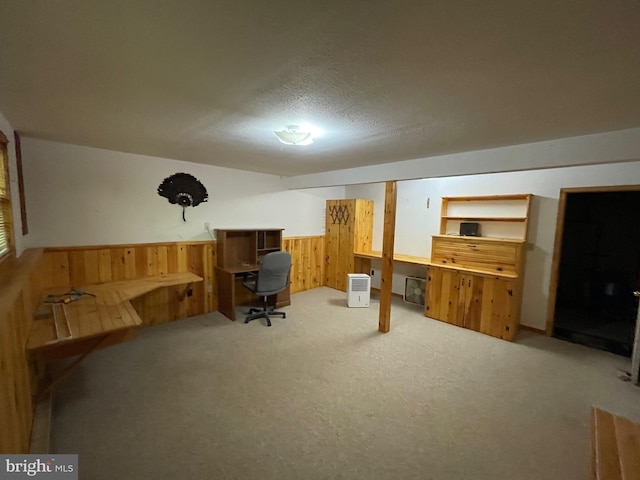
(78, 266)
(19, 293)
(307, 255)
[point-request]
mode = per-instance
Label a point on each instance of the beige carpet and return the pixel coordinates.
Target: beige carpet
(323, 395)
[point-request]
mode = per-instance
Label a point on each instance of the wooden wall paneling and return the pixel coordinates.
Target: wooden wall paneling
(141, 260)
(154, 266)
(116, 263)
(317, 265)
(163, 259)
(104, 265)
(363, 238)
(17, 293)
(172, 259)
(195, 302)
(299, 265)
(60, 268)
(307, 254)
(129, 263)
(183, 260)
(91, 267)
(12, 434)
(210, 303)
(302, 252)
(55, 269)
(289, 245)
(76, 266)
(23, 378)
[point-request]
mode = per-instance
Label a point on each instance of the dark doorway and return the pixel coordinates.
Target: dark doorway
(599, 269)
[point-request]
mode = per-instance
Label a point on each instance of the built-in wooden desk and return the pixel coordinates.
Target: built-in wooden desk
(228, 296)
(423, 261)
(238, 252)
(397, 257)
(102, 317)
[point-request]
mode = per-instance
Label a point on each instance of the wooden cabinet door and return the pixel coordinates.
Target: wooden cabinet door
(482, 304)
(498, 314)
(444, 300)
(472, 288)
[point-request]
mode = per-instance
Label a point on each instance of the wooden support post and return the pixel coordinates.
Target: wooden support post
(390, 196)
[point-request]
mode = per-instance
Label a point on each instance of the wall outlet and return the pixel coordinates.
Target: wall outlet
(207, 226)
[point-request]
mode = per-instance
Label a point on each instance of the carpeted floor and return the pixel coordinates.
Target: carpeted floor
(323, 395)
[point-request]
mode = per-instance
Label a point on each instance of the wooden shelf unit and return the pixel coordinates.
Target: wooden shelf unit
(476, 282)
(499, 216)
(241, 248)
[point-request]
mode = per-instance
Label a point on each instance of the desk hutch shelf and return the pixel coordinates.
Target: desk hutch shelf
(238, 252)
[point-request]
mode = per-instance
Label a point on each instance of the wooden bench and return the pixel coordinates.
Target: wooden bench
(615, 447)
(102, 317)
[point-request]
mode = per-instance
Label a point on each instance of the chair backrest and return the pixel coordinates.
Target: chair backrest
(274, 273)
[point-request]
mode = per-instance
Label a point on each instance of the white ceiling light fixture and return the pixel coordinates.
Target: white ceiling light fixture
(294, 136)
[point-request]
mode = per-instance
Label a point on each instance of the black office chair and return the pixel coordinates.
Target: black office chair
(273, 277)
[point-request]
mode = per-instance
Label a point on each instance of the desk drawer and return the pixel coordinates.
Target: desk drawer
(490, 255)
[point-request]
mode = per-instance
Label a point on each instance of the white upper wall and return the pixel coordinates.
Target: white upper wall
(7, 129)
(415, 223)
(612, 147)
(87, 196)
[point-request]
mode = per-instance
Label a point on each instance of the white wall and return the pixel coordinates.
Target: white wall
(7, 129)
(415, 223)
(87, 196)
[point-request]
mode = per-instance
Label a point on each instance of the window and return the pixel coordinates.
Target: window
(6, 224)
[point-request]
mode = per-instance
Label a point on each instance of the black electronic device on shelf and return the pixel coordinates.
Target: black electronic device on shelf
(470, 229)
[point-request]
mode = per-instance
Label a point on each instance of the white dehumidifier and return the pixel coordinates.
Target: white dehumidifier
(358, 288)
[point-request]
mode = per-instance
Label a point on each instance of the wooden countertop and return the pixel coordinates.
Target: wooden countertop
(106, 311)
(397, 257)
(423, 261)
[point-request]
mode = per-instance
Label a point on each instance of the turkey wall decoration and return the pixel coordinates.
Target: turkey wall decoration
(184, 190)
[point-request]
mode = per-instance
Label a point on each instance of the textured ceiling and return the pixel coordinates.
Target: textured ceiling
(208, 81)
